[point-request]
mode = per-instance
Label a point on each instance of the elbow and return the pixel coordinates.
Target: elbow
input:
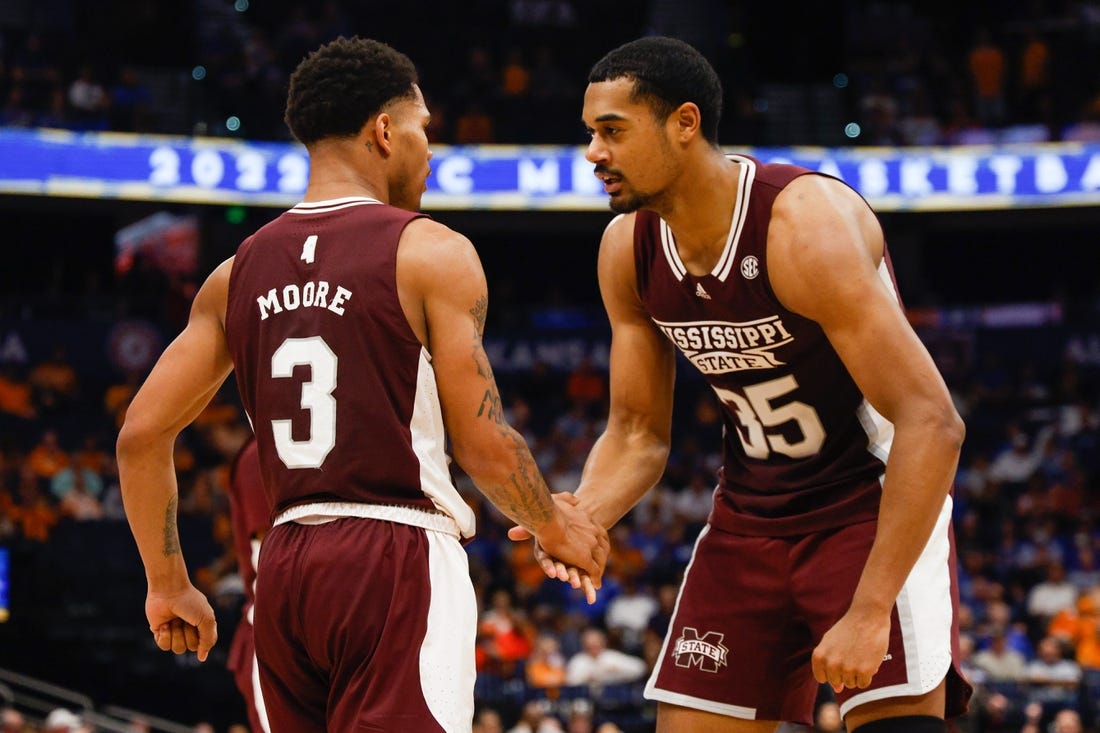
(944, 428)
(954, 429)
(134, 436)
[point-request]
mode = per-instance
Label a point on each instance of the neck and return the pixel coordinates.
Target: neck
(338, 169)
(699, 206)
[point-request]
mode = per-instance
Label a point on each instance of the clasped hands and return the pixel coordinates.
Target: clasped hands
(572, 547)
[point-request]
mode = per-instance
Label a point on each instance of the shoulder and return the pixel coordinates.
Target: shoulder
(213, 296)
(822, 238)
(430, 254)
(811, 199)
(617, 241)
(431, 245)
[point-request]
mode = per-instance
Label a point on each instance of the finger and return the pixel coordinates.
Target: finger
(575, 578)
(818, 667)
(568, 498)
(179, 643)
(191, 636)
(519, 534)
(560, 572)
(162, 635)
(208, 637)
(589, 589)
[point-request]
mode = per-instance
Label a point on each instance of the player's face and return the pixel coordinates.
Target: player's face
(630, 146)
(410, 143)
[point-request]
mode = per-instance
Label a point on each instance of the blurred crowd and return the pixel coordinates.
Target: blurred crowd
(891, 72)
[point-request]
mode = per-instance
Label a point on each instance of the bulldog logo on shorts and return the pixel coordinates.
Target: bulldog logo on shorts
(705, 652)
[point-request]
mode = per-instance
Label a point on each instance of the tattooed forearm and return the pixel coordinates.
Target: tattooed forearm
(484, 368)
(491, 407)
(524, 496)
(171, 536)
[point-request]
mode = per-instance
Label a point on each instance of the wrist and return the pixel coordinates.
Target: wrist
(552, 531)
(168, 579)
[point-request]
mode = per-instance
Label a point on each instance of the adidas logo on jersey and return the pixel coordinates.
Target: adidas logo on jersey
(700, 292)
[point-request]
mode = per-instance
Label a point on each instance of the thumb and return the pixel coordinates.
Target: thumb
(208, 636)
(519, 534)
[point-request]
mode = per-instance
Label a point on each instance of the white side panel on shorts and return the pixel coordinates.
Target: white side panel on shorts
(447, 668)
(428, 439)
(925, 614)
(652, 692)
(258, 696)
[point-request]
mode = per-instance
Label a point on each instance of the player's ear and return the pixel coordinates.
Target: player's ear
(687, 121)
(377, 134)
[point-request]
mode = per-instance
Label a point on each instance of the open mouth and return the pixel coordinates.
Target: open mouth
(611, 182)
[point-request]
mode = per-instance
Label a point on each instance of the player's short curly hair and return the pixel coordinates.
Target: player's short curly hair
(338, 87)
(666, 72)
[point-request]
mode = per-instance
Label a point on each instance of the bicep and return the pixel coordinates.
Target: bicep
(825, 254)
(642, 359)
(455, 308)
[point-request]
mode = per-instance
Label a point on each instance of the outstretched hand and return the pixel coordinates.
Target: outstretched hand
(554, 562)
(182, 621)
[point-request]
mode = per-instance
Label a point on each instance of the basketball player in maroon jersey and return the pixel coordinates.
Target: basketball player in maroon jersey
(355, 327)
(822, 561)
(250, 515)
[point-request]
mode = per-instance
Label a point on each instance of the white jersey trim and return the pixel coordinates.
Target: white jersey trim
(328, 511)
(722, 268)
(323, 207)
(740, 214)
(925, 614)
(428, 441)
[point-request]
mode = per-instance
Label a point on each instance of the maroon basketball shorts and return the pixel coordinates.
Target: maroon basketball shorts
(752, 609)
(365, 625)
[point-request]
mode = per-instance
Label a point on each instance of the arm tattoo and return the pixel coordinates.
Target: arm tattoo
(524, 496)
(171, 536)
(491, 407)
(479, 312)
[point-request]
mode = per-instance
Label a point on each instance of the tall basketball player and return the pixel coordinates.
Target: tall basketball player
(354, 325)
(827, 556)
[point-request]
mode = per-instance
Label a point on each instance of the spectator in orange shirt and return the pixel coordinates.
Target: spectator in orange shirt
(1034, 78)
(54, 383)
(504, 635)
(47, 457)
(546, 665)
(986, 62)
(32, 512)
(15, 395)
(1080, 628)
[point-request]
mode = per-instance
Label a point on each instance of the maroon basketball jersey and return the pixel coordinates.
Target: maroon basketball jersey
(803, 450)
(250, 514)
(340, 392)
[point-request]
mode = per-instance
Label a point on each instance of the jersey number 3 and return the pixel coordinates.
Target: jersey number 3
(756, 412)
(316, 397)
